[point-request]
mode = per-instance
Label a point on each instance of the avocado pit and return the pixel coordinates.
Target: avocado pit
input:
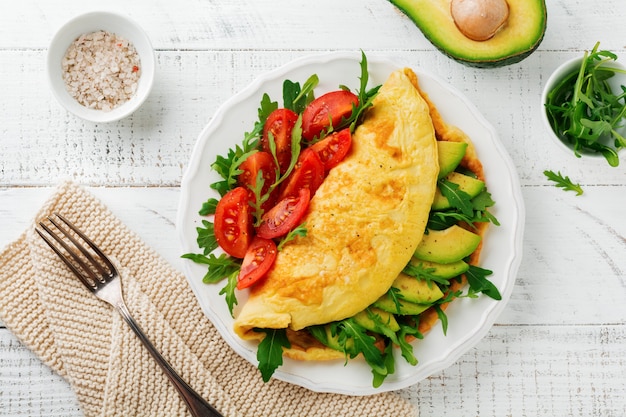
(479, 20)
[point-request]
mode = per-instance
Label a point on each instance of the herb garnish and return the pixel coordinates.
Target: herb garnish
(270, 351)
(563, 182)
(584, 111)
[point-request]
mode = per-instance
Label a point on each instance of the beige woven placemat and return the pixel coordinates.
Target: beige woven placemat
(87, 342)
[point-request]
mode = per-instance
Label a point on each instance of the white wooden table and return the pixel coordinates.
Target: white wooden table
(559, 349)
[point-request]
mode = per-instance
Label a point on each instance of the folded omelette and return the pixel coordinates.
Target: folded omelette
(363, 223)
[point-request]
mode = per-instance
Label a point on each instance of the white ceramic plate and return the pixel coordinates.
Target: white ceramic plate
(469, 319)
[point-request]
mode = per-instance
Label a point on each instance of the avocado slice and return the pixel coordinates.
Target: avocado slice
(406, 308)
(445, 271)
(467, 184)
(363, 318)
(448, 245)
(450, 155)
(416, 290)
(518, 38)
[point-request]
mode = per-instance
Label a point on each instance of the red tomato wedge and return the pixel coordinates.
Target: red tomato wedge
(333, 148)
(308, 173)
(232, 224)
(327, 110)
(258, 260)
(259, 161)
(285, 215)
(279, 123)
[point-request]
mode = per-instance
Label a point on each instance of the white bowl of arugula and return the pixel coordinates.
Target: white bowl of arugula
(584, 105)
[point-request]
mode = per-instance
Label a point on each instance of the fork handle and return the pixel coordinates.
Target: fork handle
(197, 406)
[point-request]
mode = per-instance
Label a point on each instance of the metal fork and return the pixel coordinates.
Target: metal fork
(97, 272)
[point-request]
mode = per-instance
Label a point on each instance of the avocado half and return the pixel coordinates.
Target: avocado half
(520, 36)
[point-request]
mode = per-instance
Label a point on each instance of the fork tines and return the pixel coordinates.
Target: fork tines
(85, 263)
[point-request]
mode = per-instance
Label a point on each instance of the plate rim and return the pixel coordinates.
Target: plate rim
(512, 263)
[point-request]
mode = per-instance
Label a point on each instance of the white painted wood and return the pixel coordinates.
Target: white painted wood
(557, 349)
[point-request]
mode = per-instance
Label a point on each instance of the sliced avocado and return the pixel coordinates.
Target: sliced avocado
(445, 271)
(448, 245)
(363, 318)
(519, 36)
(416, 290)
(467, 184)
(450, 155)
(406, 308)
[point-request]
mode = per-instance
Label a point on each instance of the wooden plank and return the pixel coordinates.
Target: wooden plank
(514, 371)
(153, 146)
(29, 388)
(574, 371)
(288, 25)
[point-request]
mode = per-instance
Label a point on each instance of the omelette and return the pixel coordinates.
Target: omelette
(363, 224)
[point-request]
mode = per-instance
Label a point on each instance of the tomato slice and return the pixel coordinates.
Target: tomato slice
(279, 123)
(285, 215)
(259, 161)
(333, 148)
(308, 173)
(259, 259)
(232, 224)
(327, 110)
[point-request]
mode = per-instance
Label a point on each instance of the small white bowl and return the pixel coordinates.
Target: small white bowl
(562, 71)
(92, 22)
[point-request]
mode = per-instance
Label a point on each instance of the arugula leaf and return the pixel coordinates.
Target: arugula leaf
(457, 197)
(420, 272)
(395, 295)
(296, 140)
(366, 98)
(229, 291)
(361, 343)
(296, 98)
(405, 347)
(443, 318)
(206, 237)
(481, 203)
(259, 198)
(476, 278)
(270, 351)
(266, 108)
(228, 168)
(390, 367)
(563, 182)
(463, 208)
(297, 231)
(208, 207)
(218, 268)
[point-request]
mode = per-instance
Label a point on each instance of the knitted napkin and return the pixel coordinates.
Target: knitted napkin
(87, 342)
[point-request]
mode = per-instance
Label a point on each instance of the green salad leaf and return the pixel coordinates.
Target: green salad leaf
(563, 182)
(270, 351)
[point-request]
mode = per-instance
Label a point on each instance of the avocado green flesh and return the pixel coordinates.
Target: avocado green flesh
(469, 185)
(405, 308)
(450, 155)
(521, 35)
(444, 271)
(363, 319)
(448, 245)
